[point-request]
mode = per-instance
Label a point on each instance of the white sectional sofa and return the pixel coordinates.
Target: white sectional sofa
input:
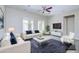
(20, 47)
(24, 47)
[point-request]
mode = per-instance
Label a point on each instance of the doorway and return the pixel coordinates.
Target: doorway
(69, 24)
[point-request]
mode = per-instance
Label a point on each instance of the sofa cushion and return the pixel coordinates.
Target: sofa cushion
(19, 39)
(29, 32)
(36, 31)
(6, 40)
(13, 38)
(24, 47)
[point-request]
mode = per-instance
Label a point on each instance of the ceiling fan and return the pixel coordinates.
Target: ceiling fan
(46, 9)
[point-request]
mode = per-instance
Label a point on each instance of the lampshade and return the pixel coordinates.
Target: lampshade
(11, 29)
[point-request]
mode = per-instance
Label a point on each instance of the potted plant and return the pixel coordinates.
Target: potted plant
(47, 29)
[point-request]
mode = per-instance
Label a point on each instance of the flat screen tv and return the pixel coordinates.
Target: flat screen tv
(56, 25)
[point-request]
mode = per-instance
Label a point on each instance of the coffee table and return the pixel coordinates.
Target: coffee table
(45, 37)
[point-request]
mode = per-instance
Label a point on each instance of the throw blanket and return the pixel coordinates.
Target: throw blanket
(49, 46)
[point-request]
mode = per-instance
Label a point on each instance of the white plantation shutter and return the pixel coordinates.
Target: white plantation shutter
(41, 25)
(32, 25)
(25, 25)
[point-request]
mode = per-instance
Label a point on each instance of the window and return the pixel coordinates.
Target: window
(28, 25)
(41, 25)
(25, 25)
(31, 25)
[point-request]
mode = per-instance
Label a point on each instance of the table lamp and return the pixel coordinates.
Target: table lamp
(11, 29)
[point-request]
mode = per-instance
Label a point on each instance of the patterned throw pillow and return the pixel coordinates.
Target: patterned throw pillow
(12, 38)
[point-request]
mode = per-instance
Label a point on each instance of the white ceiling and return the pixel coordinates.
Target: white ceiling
(36, 8)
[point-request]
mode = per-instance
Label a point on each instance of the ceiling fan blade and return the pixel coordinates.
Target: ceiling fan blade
(49, 8)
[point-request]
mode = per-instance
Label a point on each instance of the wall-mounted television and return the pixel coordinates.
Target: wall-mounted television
(56, 25)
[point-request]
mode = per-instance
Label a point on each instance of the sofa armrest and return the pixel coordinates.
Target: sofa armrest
(67, 39)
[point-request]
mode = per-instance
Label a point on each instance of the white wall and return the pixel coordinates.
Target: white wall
(60, 18)
(14, 17)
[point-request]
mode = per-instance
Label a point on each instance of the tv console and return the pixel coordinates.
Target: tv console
(56, 33)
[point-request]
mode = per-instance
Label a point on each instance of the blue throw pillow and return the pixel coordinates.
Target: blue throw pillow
(36, 31)
(12, 38)
(29, 32)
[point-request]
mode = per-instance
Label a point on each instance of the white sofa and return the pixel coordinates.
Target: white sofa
(24, 47)
(20, 47)
(6, 40)
(27, 36)
(68, 38)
